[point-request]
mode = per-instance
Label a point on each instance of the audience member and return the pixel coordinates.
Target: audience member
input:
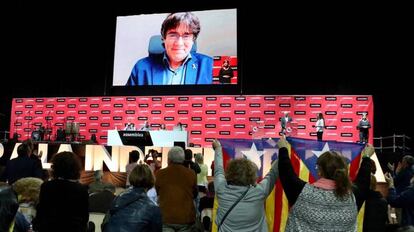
(28, 190)
(152, 160)
(176, 186)
(133, 159)
(240, 199)
(403, 200)
(205, 207)
(36, 156)
(99, 185)
(133, 210)
(188, 161)
(22, 166)
(403, 173)
(202, 176)
(8, 207)
(315, 206)
(376, 209)
(207, 201)
(63, 201)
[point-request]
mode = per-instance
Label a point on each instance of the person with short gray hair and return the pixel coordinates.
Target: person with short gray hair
(176, 187)
(176, 155)
(99, 185)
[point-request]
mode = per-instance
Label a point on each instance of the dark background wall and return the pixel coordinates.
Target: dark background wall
(66, 49)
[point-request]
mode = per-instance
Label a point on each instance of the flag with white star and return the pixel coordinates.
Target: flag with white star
(309, 150)
(304, 154)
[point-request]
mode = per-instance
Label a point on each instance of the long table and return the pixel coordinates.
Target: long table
(159, 138)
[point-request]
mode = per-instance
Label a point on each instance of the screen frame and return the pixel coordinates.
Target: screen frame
(179, 89)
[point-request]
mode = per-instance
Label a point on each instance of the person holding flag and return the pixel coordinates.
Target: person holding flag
(331, 203)
(240, 198)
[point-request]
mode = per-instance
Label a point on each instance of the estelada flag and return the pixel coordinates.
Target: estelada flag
(303, 153)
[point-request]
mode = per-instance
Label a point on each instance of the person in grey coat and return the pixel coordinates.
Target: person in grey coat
(241, 177)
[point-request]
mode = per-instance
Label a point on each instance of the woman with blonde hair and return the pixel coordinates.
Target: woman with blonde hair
(28, 190)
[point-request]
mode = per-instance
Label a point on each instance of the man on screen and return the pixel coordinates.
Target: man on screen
(177, 65)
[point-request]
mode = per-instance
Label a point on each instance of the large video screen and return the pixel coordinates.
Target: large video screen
(180, 48)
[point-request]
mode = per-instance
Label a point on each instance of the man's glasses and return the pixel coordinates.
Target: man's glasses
(175, 36)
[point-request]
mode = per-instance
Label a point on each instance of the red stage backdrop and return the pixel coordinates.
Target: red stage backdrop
(206, 117)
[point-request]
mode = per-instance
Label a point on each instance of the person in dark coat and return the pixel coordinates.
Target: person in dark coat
(22, 166)
(133, 210)
(376, 210)
(403, 200)
(63, 202)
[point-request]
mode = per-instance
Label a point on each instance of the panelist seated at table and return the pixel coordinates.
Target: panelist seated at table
(179, 127)
(162, 127)
(130, 126)
(145, 127)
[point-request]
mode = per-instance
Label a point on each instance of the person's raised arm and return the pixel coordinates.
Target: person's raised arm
(363, 179)
(291, 183)
(398, 200)
(268, 182)
(219, 177)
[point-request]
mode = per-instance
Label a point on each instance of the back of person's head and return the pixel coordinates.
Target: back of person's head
(176, 155)
(133, 156)
(408, 160)
(332, 166)
(141, 176)
(66, 165)
(8, 206)
(29, 143)
(188, 154)
(97, 175)
(174, 20)
(373, 183)
(23, 150)
(28, 189)
(199, 158)
(241, 172)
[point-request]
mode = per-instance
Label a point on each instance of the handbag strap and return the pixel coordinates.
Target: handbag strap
(231, 208)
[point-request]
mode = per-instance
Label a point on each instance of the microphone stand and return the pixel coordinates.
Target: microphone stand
(29, 125)
(48, 126)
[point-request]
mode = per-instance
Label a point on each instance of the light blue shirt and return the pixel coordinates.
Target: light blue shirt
(174, 77)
